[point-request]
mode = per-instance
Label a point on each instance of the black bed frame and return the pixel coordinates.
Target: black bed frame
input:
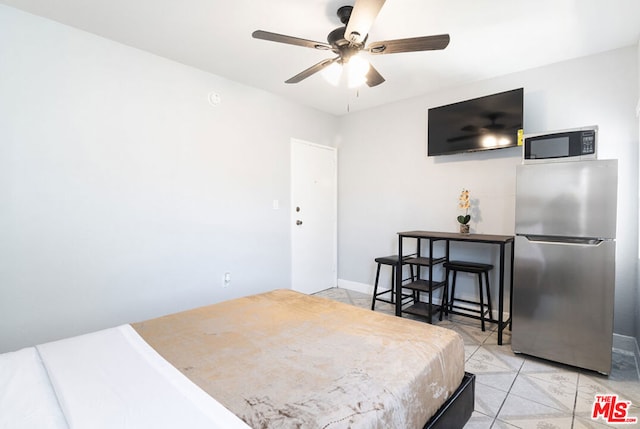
(455, 413)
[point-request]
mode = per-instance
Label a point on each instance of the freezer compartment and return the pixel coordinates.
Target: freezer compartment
(569, 199)
(563, 300)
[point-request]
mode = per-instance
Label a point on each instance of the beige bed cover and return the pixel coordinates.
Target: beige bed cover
(283, 359)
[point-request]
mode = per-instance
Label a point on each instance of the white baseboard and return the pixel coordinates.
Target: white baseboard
(356, 286)
(627, 345)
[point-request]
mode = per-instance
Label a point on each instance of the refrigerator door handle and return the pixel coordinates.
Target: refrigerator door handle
(545, 239)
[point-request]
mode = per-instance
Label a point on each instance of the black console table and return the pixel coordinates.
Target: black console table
(500, 240)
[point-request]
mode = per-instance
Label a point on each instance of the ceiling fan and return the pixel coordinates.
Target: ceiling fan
(493, 127)
(351, 39)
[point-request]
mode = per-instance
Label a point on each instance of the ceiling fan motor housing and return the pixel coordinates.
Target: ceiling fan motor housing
(344, 13)
(343, 47)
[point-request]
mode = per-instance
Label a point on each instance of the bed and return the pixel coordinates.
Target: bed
(280, 359)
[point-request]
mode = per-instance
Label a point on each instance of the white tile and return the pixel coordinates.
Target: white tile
(524, 413)
(543, 422)
(469, 350)
(479, 421)
(594, 383)
(498, 380)
(505, 355)
(565, 377)
(589, 423)
(591, 385)
(480, 366)
(499, 424)
(487, 356)
(488, 400)
(558, 395)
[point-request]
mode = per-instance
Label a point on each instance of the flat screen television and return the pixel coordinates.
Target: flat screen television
(484, 123)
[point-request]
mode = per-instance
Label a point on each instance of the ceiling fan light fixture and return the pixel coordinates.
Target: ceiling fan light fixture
(492, 140)
(353, 72)
(333, 73)
(357, 69)
(489, 141)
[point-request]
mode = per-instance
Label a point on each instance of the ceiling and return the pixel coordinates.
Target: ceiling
(489, 38)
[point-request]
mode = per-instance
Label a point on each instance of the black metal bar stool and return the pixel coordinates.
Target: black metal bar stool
(393, 262)
(474, 268)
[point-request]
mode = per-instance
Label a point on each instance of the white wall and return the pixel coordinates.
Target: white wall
(637, 335)
(387, 184)
(123, 194)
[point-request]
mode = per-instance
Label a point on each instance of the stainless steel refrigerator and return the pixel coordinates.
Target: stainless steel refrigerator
(564, 277)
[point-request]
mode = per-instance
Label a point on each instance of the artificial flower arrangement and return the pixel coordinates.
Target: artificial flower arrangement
(464, 203)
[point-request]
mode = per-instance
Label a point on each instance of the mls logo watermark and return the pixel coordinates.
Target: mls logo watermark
(612, 410)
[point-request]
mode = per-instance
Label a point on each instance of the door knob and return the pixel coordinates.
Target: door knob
(298, 222)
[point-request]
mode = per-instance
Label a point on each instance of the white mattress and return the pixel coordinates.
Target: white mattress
(27, 399)
(107, 379)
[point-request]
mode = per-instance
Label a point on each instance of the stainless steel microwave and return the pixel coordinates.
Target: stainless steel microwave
(577, 144)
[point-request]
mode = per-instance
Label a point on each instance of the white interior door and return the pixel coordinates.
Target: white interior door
(313, 217)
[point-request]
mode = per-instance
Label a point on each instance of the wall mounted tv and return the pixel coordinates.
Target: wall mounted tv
(490, 122)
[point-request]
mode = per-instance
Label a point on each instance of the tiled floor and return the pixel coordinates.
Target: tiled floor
(518, 391)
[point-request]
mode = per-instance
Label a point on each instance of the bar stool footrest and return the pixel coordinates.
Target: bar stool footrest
(470, 310)
(471, 316)
(422, 309)
(405, 297)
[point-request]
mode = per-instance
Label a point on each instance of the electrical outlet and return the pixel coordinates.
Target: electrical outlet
(226, 279)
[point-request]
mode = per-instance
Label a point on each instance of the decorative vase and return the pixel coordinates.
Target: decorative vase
(464, 228)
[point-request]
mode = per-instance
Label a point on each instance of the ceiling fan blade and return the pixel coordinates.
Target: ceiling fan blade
(373, 77)
(281, 38)
(311, 70)
(413, 44)
(362, 16)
